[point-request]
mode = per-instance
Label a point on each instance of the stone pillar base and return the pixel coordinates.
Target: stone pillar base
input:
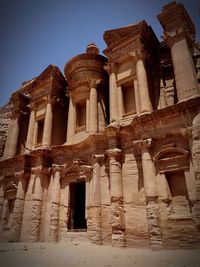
(94, 225)
(153, 224)
(118, 239)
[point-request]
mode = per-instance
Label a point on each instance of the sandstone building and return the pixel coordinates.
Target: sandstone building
(111, 151)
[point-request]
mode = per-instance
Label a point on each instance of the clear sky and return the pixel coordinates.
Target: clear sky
(36, 33)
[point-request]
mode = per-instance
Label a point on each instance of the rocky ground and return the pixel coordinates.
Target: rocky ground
(77, 254)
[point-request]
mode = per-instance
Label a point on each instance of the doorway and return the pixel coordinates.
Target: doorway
(77, 219)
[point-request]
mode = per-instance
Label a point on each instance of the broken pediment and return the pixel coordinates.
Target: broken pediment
(115, 35)
(126, 41)
(51, 73)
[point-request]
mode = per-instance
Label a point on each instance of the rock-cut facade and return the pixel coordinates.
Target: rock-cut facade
(110, 151)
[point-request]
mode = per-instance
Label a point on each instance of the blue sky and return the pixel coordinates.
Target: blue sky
(36, 33)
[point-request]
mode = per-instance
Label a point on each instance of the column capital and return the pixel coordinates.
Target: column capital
(62, 169)
(40, 170)
(141, 54)
(19, 175)
(93, 83)
(114, 152)
(32, 106)
(144, 143)
(110, 67)
(98, 158)
(50, 99)
(56, 168)
(36, 170)
(175, 37)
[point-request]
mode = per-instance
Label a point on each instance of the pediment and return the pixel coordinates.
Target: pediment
(115, 35)
(47, 75)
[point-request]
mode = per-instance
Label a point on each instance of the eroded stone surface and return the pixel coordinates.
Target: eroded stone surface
(110, 153)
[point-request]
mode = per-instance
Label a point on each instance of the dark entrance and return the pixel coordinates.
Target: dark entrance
(77, 219)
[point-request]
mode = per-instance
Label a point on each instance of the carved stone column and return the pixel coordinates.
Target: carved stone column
(87, 114)
(142, 84)
(31, 127)
(1, 198)
(116, 191)
(12, 138)
(4, 214)
(48, 209)
(44, 222)
(35, 223)
(26, 230)
(151, 195)
(71, 121)
(94, 223)
(46, 140)
(120, 101)
(63, 212)
(137, 97)
(179, 34)
(114, 113)
(184, 70)
(93, 107)
(148, 169)
(55, 204)
(162, 100)
(18, 207)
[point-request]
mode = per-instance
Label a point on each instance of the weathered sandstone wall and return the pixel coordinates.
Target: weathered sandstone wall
(4, 124)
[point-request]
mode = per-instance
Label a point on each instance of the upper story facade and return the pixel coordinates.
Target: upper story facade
(138, 76)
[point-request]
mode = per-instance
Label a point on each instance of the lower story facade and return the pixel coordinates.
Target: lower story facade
(137, 184)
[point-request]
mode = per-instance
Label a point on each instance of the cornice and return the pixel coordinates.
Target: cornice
(19, 163)
(125, 45)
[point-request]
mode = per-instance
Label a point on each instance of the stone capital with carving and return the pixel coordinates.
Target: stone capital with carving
(114, 152)
(19, 175)
(32, 106)
(98, 158)
(36, 170)
(50, 99)
(141, 54)
(110, 67)
(143, 143)
(93, 83)
(56, 168)
(174, 37)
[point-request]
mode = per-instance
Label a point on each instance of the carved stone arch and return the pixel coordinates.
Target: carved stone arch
(171, 159)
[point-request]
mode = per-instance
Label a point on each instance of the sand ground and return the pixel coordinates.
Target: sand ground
(80, 254)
